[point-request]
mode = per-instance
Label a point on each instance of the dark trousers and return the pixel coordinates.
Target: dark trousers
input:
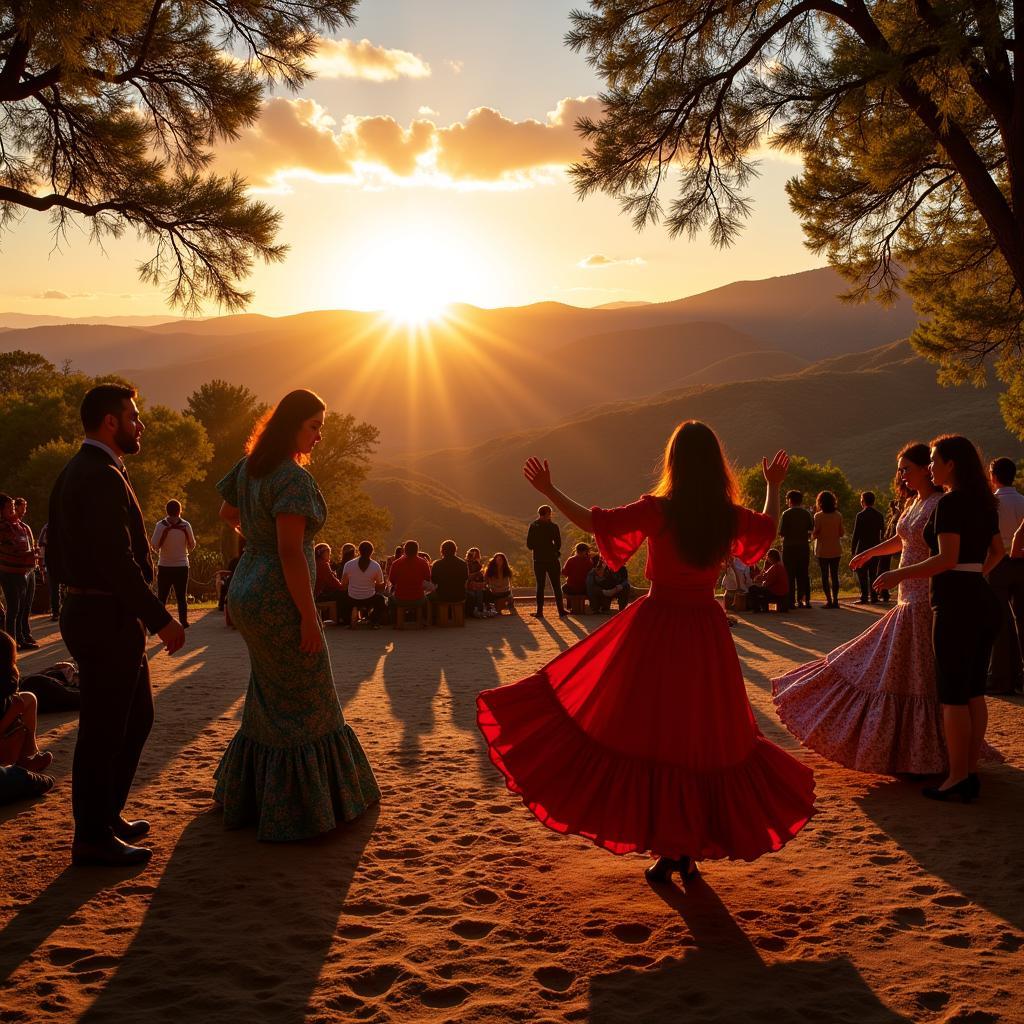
(599, 602)
(116, 715)
(797, 560)
(830, 575)
(759, 598)
(24, 633)
(176, 576)
(553, 572)
(1005, 670)
(51, 582)
(377, 607)
(15, 588)
(866, 576)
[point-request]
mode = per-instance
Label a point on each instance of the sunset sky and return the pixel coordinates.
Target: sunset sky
(426, 165)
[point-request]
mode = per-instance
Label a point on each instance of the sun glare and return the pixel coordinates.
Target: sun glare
(411, 277)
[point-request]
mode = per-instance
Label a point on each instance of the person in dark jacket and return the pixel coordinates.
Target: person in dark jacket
(450, 575)
(544, 539)
(99, 550)
(795, 528)
(868, 530)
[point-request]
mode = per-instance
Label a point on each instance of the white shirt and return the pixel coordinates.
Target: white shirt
(173, 539)
(1011, 513)
(361, 585)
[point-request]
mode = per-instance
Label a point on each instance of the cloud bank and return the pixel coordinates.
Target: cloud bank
(345, 58)
(598, 260)
(299, 138)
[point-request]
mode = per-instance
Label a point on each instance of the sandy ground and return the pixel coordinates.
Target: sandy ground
(452, 903)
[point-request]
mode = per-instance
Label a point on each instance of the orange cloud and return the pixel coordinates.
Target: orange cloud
(598, 260)
(298, 137)
(344, 58)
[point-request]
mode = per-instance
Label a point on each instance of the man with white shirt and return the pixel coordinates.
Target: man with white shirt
(1006, 669)
(173, 540)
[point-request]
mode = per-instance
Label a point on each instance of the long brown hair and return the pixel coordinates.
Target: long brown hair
(701, 494)
(273, 438)
(969, 477)
(917, 453)
(494, 568)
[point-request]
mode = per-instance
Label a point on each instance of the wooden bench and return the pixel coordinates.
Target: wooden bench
(327, 610)
(450, 614)
(421, 616)
(577, 604)
(505, 602)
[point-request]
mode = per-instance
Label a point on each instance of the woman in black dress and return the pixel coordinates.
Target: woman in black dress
(963, 535)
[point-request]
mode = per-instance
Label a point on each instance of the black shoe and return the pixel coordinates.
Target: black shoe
(964, 791)
(662, 869)
(108, 853)
(28, 645)
(128, 830)
(537, 615)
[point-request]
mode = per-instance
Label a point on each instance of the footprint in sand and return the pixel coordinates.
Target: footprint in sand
(882, 859)
(469, 929)
(376, 981)
(365, 908)
(444, 998)
(951, 900)
(64, 955)
(957, 941)
(357, 931)
(909, 916)
(556, 979)
(932, 1000)
(414, 899)
(749, 915)
(481, 897)
(98, 962)
(1010, 942)
(924, 890)
(631, 933)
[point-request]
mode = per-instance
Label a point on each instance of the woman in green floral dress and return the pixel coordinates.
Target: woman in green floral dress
(294, 768)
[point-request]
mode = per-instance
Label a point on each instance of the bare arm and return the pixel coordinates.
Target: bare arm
(1017, 544)
(231, 516)
(892, 546)
(946, 559)
(774, 474)
(539, 476)
(290, 534)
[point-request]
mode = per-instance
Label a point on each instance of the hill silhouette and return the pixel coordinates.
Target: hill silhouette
(481, 373)
(853, 411)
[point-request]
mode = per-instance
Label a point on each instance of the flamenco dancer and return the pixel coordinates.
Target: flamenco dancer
(640, 737)
(871, 704)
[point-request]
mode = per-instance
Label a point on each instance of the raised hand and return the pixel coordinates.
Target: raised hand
(775, 471)
(538, 474)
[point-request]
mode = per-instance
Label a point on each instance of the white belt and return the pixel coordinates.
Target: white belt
(968, 567)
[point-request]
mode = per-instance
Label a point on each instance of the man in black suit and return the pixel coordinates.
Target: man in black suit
(99, 549)
(544, 539)
(868, 528)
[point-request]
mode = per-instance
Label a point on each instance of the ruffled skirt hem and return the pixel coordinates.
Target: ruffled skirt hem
(295, 792)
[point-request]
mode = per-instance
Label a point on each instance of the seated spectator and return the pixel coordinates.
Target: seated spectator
(408, 575)
(770, 585)
(348, 552)
(498, 584)
(736, 580)
(328, 586)
(391, 561)
(449, 576)
(55, 688)
(576, 569)
(224, 575)
(18, 744)
(475, 584)
(605, 585)
(363, 580)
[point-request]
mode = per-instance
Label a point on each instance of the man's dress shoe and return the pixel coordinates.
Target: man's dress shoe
(129, 830)
(110, 852)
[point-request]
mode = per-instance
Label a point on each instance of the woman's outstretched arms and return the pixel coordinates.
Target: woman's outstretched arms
(774, 473)
(538, 474)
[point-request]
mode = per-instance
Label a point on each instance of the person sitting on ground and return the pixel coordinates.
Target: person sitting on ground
(408, 574)
(576, 569)
(55, 688)
(474, 584)
(605, 585)
(736, 580)
(770, 585)
(449, 575)
(18, 744)
(498, 584)
(363, 579)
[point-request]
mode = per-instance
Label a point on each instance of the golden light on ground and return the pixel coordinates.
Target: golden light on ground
(412, 276)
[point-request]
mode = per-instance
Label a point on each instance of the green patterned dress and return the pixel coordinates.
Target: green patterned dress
(294, 768)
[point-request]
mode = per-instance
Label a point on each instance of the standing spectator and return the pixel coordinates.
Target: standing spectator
(51, 582)
(544, 539)
(795, 526)
(770, 585)
(17, 561)
(363, 579)
(408, 574)
(24, 628)
(450, 575)
(576, 569)
(173, 540)
(827, 534)
(868, 528)
(1006, 671)
(98, 549)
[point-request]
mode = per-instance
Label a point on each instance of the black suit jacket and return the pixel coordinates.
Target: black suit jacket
(544, 539)
(868, 528)
(97, 537)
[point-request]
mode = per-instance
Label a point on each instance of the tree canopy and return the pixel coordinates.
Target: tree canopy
(909, 117)
(109, 109)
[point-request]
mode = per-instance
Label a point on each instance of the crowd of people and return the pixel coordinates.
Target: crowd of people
(640, 737)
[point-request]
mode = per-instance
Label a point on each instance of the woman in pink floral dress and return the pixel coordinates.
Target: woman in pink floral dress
(871, 704)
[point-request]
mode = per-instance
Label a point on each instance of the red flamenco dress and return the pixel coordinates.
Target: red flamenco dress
(640, 737)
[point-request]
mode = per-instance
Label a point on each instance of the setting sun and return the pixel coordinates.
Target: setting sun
(412, 276)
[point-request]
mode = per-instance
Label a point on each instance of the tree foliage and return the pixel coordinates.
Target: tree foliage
(109, 109)
(909, 117)
(808, 477)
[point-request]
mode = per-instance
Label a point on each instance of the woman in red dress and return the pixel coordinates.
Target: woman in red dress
(640, 737)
